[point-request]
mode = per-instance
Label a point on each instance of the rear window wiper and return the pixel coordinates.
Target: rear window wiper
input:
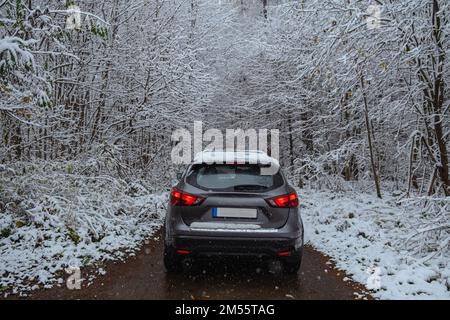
(249, 187)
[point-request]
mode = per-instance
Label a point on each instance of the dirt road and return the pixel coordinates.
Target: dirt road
(143, 277)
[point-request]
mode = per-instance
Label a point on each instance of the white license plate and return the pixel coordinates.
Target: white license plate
(235, 213)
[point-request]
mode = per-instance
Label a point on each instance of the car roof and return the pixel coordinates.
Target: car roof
(240, 156)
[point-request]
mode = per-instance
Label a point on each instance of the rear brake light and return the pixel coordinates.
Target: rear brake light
(181, 251)
(284, 201)
(179, 198)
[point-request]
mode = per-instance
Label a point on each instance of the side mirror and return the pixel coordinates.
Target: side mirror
(179, 175)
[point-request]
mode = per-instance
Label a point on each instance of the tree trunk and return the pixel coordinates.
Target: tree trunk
(376, 178)
(264, 8)
(438, 99)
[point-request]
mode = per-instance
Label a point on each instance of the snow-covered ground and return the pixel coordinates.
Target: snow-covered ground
(386, 244)
(53, 217)
(59, 214)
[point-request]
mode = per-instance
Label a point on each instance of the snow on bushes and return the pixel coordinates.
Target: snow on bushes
(405, 243)
(58, 214)
(52, 217)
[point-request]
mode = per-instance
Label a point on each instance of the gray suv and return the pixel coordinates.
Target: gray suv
(226, 204)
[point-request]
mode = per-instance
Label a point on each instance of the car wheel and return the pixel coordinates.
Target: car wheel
(292, 266)
(171, 262)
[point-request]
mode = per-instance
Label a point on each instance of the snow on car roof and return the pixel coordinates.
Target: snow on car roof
(244, 156)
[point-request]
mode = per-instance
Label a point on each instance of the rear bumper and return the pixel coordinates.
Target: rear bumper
(257, 247)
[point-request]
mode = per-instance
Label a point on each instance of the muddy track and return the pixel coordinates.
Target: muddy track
(143, 277)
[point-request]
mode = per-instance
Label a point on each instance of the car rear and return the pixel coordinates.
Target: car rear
(233, 208)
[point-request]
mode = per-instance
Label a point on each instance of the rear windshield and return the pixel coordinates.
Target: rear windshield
(223, 177)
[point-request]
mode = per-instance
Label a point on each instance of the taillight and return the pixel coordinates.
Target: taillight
(284, 201)
(179, 198)
(284, 253)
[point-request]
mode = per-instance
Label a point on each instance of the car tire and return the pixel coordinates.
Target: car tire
(171, 262)
(292, 266)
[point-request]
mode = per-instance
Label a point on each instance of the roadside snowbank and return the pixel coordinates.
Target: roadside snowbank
(58, 214)
(382, 243)
(51, 217)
